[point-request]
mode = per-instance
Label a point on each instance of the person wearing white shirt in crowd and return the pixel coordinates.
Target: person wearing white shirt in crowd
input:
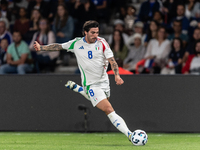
(136, 53)
(158, 50)
(192, 9)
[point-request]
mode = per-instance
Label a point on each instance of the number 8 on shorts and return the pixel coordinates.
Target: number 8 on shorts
(91, 92)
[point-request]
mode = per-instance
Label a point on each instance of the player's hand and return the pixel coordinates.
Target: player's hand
(118, 80)
(36, 45)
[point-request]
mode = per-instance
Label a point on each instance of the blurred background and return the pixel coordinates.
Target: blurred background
(146, 36)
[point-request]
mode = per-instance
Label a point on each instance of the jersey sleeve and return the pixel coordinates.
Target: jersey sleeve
(69, 46)
(106, 49)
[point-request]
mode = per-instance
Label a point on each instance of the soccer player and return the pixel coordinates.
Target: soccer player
(93, 54)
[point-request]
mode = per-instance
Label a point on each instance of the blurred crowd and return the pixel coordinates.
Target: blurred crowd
(146, 37)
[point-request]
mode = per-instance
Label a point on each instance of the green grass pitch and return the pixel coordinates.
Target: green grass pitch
(95, 141)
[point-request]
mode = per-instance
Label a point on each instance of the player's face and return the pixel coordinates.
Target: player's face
(91, 35)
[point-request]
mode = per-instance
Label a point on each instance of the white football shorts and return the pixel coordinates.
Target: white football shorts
(98, 91)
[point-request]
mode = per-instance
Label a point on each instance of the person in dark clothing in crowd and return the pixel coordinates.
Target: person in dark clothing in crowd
(147, 10)
(174, 64)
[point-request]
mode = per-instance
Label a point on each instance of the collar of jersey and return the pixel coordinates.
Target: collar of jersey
(86, 41)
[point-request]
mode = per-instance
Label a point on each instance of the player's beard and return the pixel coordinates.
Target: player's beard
(92, 40)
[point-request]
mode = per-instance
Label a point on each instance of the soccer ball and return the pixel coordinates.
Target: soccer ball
(139, 137)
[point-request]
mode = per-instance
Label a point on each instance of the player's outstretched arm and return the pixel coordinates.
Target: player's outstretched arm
(50, 47)
(115, 69)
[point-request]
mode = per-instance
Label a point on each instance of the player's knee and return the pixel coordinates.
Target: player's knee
(108, 110)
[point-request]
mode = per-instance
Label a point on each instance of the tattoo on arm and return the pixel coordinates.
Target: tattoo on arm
(114, 65)
(52, 47)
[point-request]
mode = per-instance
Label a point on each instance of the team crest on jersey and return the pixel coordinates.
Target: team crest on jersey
(97, 47)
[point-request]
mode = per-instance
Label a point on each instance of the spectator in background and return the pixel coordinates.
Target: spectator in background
(192, 9)
(147, 10)
(181, 16)
(169, 9)
(138, 28)
(4, 33)
(118, 25)
(83, 11)
(198, 24)
(18, 57)
(3, 50)
(42, 6)
(53, 5)
(151, 31)
(121, 13)
(5, 13)
(129, 19)
(192, 65)
(18, 3)
(174, 64)
(23, 23)
(190, 49)
(34, 23)
(45, 36)
(177, 24)
(63, 26)
(118, 46)
(136, 53)
(158, 16)
(157, 52)
(102, 10)
(6, 21)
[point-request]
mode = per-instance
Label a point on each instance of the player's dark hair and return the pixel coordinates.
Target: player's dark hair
(88, 25)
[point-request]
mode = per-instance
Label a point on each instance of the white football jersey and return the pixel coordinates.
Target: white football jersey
(91, 58)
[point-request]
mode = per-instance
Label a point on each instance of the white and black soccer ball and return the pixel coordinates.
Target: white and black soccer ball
(139, 137)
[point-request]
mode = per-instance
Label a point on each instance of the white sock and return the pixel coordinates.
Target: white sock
(119, 123)
(79, 89)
